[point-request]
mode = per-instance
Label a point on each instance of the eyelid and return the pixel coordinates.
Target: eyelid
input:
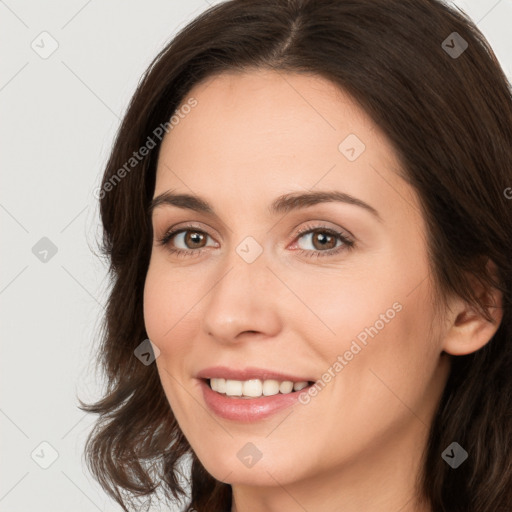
(184, 226)
(315, 225)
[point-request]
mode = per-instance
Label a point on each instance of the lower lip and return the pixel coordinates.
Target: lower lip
(247, 410)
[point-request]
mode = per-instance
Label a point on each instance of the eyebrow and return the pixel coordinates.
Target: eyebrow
(282, 205)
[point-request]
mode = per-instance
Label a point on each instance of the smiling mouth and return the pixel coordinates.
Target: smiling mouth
(255, 388)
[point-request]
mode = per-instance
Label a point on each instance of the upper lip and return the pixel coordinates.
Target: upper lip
(248, 373)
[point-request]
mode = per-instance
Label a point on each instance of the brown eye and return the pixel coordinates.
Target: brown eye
(321, 239)
(323, 242)
(194, 239)
(185, 239)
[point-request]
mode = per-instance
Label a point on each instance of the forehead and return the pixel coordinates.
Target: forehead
(267, 131)
(290, 114)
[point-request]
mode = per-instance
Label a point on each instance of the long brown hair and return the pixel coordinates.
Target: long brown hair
(447, 110)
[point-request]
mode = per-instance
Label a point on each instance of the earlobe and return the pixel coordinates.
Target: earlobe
(468, 329)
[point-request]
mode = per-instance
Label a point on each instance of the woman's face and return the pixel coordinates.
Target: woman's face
(249, 299)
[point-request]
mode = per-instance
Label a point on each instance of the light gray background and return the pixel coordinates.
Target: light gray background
(58, 119)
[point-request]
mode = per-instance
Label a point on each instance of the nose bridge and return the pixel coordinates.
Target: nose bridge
(245, 269)
(241, 298)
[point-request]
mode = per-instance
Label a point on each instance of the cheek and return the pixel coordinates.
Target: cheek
(367, 299)
(347, 308)
(171, 300)
(168, 319)
(382, 331)
(155, 305)
(391, 373)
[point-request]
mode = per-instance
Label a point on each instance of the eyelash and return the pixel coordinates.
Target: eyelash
(348, 244)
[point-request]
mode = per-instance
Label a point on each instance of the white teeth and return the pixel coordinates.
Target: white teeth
(252, 387)
(219, 385)
(286, 386)
(233, 387)
(299, 385)
(255, 388)
(270, 387)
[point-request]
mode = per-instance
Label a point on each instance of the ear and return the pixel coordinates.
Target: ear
(467, 330)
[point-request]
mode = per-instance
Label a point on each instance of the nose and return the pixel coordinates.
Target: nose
(243, 302)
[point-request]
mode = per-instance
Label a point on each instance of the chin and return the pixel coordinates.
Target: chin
(265, 472)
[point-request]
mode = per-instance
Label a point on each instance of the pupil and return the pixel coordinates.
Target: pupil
(196, 238)
(323, 238)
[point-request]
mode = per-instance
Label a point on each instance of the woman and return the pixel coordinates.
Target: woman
(306, 212)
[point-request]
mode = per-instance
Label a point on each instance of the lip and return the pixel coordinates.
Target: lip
(246, 410)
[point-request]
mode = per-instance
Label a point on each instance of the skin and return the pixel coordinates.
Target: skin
(357, 445)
